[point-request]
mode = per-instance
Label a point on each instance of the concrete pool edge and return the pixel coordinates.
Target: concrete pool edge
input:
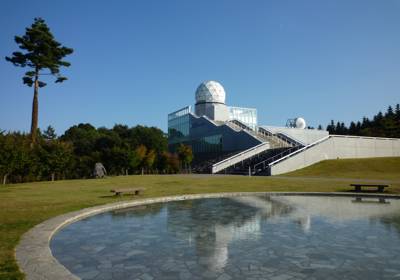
(35, 258)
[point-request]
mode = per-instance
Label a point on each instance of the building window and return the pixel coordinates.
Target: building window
(247, 116)
(179, 126)
(208, 144)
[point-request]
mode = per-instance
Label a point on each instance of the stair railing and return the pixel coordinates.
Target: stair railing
(219, 166)
(281, 141)
(263, 165)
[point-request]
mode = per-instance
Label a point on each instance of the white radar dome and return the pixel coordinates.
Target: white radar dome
(300, 123)
(210, 91)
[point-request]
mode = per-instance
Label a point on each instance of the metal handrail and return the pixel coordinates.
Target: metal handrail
(266, 129)
(233, 126)
(291, 138)
(366, 137)
(245, 128)
(300, 150)
(264, 162)
(239, 154)
(271, 136)
(277, 137)
(277, 133)
(240, 124)
(274, 139)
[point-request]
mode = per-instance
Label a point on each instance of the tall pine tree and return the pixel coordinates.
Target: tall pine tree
(40, 52)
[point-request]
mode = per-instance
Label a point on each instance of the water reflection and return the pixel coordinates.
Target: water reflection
(381, 200)
(211, 229)
(262, 237)
(343, 209)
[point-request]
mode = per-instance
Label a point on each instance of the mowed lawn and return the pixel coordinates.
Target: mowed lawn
(377, 168)
(25, 205)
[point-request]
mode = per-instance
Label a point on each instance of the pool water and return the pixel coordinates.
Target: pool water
(244, 237)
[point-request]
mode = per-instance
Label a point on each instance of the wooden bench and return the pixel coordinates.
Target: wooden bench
(380, 200)
(380, 188)
(132, 191)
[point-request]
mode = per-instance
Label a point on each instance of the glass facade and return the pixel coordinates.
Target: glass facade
(208, 144)
(179, 113)
(179, 126)
(248, 116)
(179, 131)
(206, 138)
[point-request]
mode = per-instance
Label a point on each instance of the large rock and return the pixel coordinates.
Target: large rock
(99, 170)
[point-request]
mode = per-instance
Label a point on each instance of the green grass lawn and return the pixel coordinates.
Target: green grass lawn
(25, 205)
(369, 168)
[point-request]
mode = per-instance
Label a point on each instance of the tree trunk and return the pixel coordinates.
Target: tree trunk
(35, 108)
(52, 176)
(5, 179)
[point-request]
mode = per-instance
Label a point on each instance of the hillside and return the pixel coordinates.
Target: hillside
(368, 168)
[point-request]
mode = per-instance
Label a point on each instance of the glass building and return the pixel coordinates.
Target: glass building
(179, 126)
(248, 116)
(207, 126)
(185, 128)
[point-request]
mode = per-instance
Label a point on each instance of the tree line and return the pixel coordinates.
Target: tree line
(381, 125)
(42, 155)
(123, 150)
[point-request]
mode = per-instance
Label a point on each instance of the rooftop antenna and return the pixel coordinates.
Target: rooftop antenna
(298, 122)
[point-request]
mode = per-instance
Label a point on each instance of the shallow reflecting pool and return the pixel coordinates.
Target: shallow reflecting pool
(244, 237)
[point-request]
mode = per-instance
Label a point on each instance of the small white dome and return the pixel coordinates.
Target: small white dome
(210, 91)
(300, 123)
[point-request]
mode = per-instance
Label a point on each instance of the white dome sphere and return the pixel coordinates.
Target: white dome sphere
(210, 91)
(300, 123)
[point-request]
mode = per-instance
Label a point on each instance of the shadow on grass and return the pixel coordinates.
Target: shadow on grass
(113, 196)
(109, 196)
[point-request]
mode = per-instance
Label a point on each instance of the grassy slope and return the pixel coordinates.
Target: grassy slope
(369, 168)
(25, 205)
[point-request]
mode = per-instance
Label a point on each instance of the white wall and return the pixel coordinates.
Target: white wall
(305, 136)
(214, 111)
(337, 146)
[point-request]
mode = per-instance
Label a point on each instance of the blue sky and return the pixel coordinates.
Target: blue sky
(136, 61)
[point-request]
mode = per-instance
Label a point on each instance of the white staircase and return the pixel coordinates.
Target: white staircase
(240, 157)
(268, 139)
